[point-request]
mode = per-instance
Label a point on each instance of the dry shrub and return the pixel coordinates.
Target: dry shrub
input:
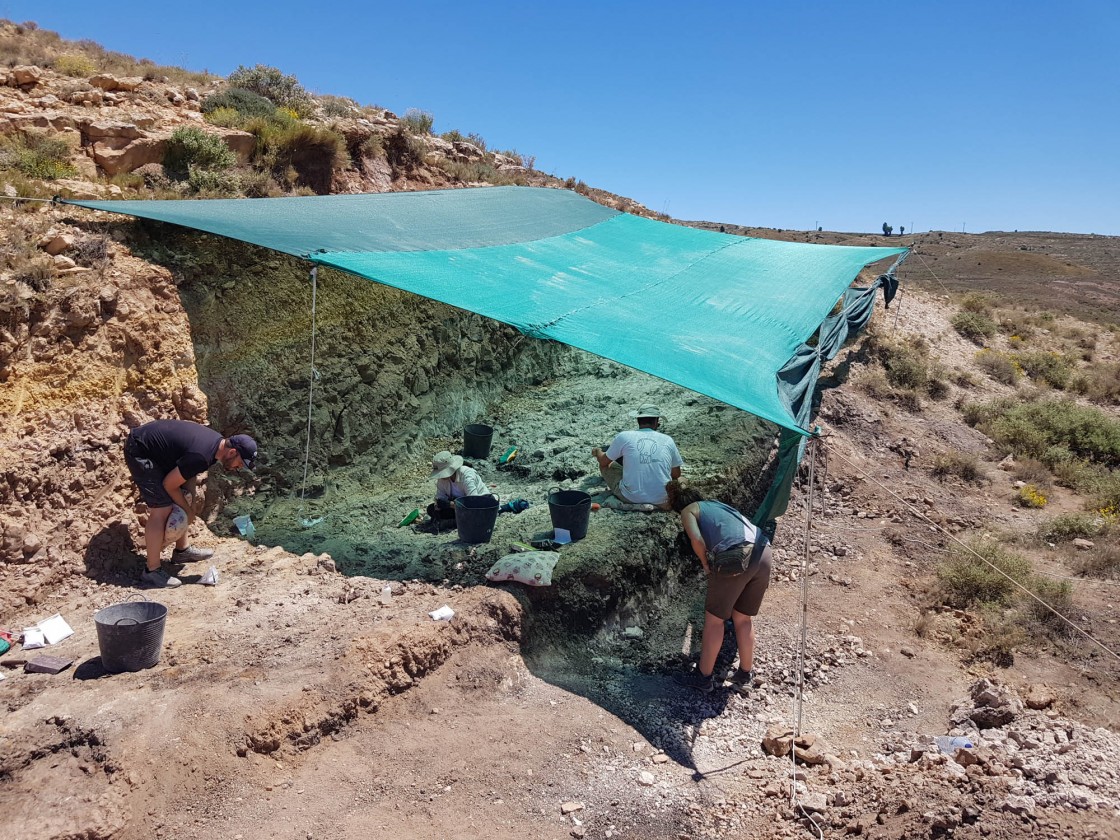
(962, 465)
(1033, 471)
(1099, 383)
(299, 155)
(76, 65)
(1101, 561)
(998, 366)
(978, 302)
(874, 383)
(404, 151)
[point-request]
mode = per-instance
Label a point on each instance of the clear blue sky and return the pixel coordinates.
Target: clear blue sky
(984, 114)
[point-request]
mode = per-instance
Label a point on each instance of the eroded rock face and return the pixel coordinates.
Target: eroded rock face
(111, 83)
(25, 76)
(140, 152)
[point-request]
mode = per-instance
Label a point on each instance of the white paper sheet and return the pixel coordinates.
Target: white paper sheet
(55, 629)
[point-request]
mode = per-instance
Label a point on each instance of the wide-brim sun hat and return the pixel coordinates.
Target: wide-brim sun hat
(647, 410)
(444, 464)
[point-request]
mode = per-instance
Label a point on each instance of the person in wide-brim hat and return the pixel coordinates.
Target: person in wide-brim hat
(454, 480)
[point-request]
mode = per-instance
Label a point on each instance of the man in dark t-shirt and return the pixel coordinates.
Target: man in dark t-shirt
(165, 457)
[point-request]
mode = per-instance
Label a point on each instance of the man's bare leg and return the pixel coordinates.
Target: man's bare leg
(154, 531)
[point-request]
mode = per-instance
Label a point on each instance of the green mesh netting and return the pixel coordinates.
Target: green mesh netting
(716, 313)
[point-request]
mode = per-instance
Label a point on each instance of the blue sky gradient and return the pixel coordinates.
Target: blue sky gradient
(979, 116)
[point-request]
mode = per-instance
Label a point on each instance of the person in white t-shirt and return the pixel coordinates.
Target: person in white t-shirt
(639, 462)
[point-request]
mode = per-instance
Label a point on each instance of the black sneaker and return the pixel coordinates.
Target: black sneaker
(694, 679)
(742, 681)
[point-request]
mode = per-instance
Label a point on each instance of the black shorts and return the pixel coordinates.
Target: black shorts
(147, 476)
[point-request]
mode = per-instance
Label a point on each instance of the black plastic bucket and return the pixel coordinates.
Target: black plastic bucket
(475, 517)
(130, 635)
(570, 510)
(476, 440)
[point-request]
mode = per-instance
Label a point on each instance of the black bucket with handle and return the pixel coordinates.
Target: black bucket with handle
(475, 517)
(476, 440)
(570, 510)
(130, 635)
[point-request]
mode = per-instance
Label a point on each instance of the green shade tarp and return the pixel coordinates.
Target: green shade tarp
(718, 314)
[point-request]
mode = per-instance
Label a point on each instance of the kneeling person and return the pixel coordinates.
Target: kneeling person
(454, 480)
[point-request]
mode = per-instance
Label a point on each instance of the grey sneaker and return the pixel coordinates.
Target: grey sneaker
(160, 579)
(694, 679)
(190, 554)
(742, 681)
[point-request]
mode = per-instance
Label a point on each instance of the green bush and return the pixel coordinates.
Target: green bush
(226, 118)
(965, 581)
(1105, 488)
(998, 366)
(245, 102)
(975, 326)
(1048, 429)
(213, 182)
(36, 155)
(906, 366)
(192, 148)
(282, 90)
(1070, 526)
(1052, 368)
(1058, 596)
